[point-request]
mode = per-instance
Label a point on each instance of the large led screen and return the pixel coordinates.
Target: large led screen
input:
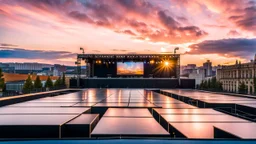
(130, 68)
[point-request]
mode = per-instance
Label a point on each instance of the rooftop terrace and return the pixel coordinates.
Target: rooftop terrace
(129, 113)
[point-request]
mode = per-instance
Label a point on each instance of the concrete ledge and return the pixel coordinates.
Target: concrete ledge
(230, 94)
(26, 97)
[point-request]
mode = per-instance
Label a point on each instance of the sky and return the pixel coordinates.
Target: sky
(52, 31)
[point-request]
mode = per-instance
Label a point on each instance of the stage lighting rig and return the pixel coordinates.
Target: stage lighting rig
(152, 62)
(166, 63)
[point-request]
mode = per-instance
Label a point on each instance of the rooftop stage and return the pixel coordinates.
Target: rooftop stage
(130, 71)
(130, 65)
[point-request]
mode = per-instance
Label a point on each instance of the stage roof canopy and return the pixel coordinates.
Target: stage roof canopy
(129, 56)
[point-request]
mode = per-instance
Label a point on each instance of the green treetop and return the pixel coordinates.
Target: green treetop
(48, 83)
(254, 83)
(58, 82)
(242, 88)
(28, 85)
(38, 83)
(63, 80)
(1, 80)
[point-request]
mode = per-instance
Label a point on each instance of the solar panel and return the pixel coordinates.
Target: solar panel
(127, 112)
(42, 110)
(113, 126)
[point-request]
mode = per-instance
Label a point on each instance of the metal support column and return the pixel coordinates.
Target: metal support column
(178, 70)
(78, 63)
(88, 71)
(92, 68)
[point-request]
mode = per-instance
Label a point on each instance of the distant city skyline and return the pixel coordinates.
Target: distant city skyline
(52, 31)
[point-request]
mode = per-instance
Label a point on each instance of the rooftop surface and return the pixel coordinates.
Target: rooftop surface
(125, 113)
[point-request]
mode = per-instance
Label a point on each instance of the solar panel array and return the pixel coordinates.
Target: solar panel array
(124, 113)
(206, 123)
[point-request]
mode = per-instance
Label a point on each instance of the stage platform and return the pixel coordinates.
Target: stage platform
(133, 83)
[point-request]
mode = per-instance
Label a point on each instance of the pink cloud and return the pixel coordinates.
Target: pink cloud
(233, 33)
(125, 16)
(242, 13)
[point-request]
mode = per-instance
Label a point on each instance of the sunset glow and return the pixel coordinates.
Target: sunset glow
(52, 31)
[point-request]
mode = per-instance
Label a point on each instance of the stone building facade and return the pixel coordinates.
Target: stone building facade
(233, 75)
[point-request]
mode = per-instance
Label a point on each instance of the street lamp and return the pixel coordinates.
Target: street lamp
(177, 48)
(82, 49)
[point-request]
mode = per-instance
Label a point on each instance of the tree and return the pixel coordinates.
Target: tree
(58, 82)
(38, 83)
(254, 83)
(201, 84)
(63, 80)
(242, 88)
(2, 83)
(204, 84)
(214, 83)
(48, 83)
(209, 83)
(28, 85)
(218, 86)
(1, 80)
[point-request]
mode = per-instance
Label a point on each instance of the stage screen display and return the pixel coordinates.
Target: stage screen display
(130, 68)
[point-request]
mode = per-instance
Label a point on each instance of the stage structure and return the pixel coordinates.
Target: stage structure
(129, 65)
